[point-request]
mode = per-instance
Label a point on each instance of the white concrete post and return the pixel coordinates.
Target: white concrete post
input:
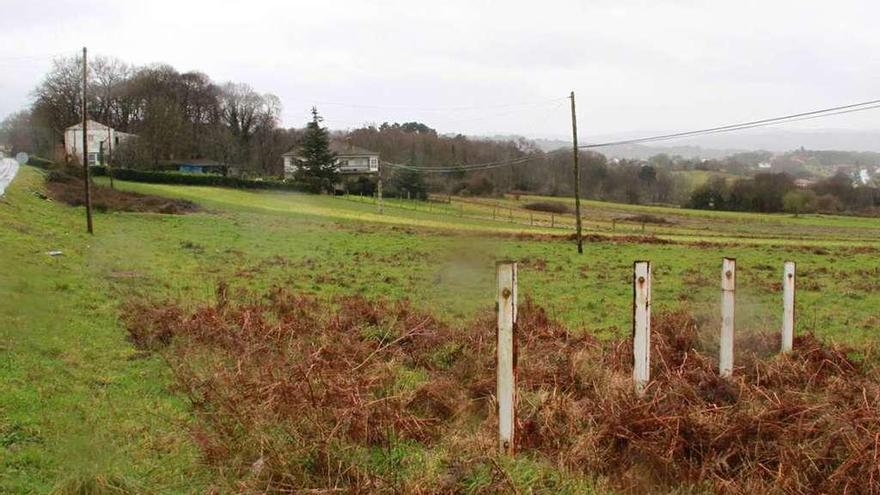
(641, 324)
(788, 298)
(506, 355)
(728, 306)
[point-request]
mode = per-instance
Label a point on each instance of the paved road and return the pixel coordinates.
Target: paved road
(8, 169)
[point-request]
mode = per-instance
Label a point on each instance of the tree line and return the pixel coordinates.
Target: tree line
(186, 115)
(778, 192)
(415, 144)
(176, 115)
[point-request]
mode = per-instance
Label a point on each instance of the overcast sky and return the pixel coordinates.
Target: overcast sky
(483, 67)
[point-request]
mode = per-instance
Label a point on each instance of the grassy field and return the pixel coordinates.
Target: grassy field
(76, 399)
(444, 262)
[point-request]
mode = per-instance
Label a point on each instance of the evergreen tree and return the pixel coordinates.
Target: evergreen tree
(319, 168)
(412, 182)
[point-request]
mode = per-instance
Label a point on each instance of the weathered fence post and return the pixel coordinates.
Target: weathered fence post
(728, 304)
(506, 355)
(788, 298)
(641, 324)
(379, 197)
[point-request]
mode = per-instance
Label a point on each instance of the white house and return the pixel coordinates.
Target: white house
(100, 138)
(350, 159)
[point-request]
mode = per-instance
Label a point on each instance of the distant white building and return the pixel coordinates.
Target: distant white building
(350, 159)
(100, 138)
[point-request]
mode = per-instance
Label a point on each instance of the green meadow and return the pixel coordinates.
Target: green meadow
(78, 401)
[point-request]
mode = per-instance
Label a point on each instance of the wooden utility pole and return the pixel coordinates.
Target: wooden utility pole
(577, 176)
(85, 144)
(109, 155)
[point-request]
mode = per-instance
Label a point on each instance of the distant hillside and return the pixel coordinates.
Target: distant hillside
(633, 151)
(721, 145)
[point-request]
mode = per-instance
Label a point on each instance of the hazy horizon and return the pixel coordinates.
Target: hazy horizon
(484, 69)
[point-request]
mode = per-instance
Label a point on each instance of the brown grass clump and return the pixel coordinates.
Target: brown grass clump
(287, 389)
(70, 190)
(646, 218)
(549, 207)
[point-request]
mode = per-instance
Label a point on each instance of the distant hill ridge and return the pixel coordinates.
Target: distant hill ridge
(721, 145)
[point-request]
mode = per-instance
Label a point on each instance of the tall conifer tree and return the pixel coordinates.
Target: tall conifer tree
(319, 168)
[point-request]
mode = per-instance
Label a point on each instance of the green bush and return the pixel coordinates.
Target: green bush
(198, 180)
(43, 163)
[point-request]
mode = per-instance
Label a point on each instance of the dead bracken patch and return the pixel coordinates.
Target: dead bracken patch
(645, 218)
(623, 239)
(284, 387)
(557, 207)
(70, 190)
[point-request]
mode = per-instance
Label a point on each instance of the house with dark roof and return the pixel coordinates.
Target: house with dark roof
(350, 159)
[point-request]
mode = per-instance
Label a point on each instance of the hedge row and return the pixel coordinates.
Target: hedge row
(198, 179)
(36, 161)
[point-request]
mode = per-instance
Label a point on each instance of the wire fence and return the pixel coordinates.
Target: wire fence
(501, 214)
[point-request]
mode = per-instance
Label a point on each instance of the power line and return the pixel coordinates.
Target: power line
(36, 56)
(447, 169)
(814, 114)
(28, 59)
(460, 168)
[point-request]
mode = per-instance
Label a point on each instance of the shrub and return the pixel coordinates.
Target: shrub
(646, 218)
(828, 203)
(43, 163)
(59, 176)
(549, 207)
(199, 180)
(799, 201)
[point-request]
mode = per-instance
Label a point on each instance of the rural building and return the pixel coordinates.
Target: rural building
(201, 166)
(100, 138)
(350, 159)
